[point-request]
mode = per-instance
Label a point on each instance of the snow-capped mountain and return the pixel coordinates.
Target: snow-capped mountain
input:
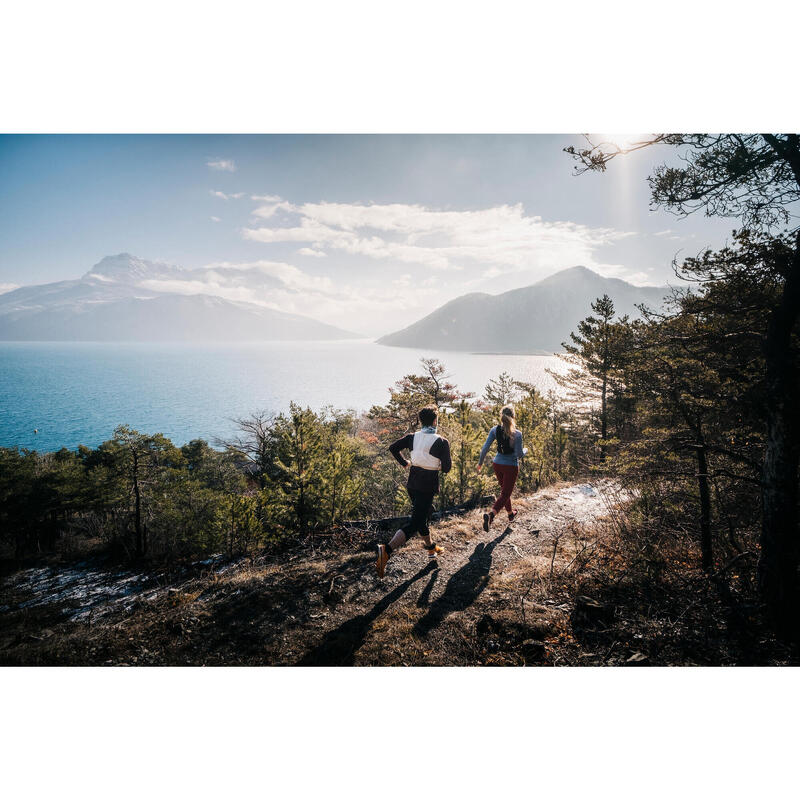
(123, 297)
(125, 268)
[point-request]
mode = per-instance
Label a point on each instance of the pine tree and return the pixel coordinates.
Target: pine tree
(597, 355)
(413, 392)
(298, 466)
(139, 460)
(344, 468)
(756, 178)
(464, 430)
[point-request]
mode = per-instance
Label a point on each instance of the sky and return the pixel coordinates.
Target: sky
(367, 232)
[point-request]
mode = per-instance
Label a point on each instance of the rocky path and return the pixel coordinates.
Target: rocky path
(322, 608)
(418, 603)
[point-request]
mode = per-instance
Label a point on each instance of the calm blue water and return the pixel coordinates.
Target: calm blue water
(77, 393)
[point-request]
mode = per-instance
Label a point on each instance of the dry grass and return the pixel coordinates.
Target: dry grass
(503, 598)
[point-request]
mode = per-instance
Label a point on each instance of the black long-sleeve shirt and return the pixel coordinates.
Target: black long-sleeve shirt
(419, 479)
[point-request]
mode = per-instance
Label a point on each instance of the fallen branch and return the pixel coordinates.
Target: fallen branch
(586, 546)
(610, 649)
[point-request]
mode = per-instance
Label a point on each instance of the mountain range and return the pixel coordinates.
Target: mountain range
(125, 298)
(533, 319)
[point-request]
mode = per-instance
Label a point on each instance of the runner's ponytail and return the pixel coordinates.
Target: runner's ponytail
(507, 421)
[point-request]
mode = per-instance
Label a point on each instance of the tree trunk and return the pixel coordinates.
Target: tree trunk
(233, 526)
(138, 511)
(777, 568)
(706, 553)
(462, 469)
(603, 417)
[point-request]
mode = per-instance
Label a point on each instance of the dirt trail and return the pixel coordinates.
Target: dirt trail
(416, 601)
(330, 608)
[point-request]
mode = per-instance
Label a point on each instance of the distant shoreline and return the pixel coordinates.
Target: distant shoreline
(476, 352)
(234, 342)
(76, 392)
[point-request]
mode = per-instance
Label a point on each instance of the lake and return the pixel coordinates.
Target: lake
(78, 392)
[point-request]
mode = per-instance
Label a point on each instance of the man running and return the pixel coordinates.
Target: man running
(429, 454)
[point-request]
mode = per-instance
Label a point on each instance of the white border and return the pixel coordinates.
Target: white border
(232, 732)
(410, 67)
(416, 66)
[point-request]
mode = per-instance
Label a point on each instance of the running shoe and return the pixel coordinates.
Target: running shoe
(487, 521)
(512, 516)
(434, 551)
(383, 558)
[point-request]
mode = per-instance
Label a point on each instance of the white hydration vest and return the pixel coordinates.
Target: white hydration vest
(421, 452)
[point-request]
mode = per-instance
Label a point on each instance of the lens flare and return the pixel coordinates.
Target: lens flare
(623, 141)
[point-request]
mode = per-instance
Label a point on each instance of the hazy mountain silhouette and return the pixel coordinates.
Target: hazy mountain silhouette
(125, 298)
(536, 318)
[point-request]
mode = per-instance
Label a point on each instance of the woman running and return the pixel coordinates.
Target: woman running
(506, 462)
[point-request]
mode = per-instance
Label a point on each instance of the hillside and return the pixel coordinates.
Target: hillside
(125, 298)
(514, 596)
(536, 318)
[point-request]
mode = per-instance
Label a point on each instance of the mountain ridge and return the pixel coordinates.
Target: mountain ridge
(530, 319)
(127, 265)
(123, 298)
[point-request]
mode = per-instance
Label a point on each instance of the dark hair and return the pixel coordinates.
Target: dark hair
(427, 415)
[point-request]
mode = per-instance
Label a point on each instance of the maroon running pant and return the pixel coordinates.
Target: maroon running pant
(506, 477)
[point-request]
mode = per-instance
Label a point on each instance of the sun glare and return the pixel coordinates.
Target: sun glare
(623, 141)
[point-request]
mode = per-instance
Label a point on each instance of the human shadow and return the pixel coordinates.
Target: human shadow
(339, 646)
(463, 587)
(424, 598)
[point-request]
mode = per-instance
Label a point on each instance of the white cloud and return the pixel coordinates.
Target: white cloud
(361, 305)
(639, 278)
(669, 234)
(274, 204)
(286, 274)
(8, 287)
(221, 164)
(252, 282)
(224, 196)
(376, 268)
(214, 288)
(503, 238)
(310, 251)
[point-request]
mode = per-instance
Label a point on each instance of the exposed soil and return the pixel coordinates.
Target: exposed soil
(512, 596)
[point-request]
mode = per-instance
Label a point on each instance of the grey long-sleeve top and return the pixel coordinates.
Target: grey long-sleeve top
(512, 459)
